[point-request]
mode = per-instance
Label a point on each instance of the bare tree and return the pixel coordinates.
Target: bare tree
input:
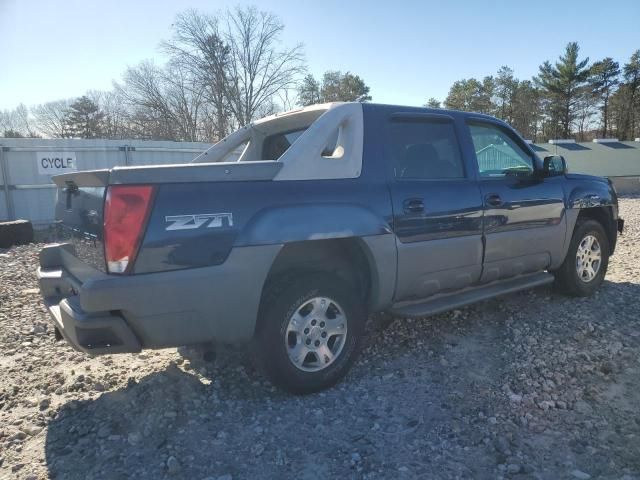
(185, 98)
(6, 122)
(238, 60)
(142, 92)
(51, 118)
(258, 69)
(162, 103)
(288, 99)
(197, 46)
(25, 121)
(17, 123)
(111, 103)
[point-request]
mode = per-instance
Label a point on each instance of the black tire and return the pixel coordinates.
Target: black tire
(17, 232)
(281, 300)
(567, 279)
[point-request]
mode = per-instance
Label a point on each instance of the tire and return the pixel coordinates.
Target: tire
(330, 320)
(17, 232)
(568, 278)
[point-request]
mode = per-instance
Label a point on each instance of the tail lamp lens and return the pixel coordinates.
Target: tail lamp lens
(125, 214)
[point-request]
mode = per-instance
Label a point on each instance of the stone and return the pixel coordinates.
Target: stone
(134, 438)
(580, 475)
(513, 468)
(173, 466)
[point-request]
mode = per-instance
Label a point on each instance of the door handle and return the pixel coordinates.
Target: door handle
(413, 205)
(493, 200)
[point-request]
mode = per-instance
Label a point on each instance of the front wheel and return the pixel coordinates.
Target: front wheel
(586, 262)
(309, 333)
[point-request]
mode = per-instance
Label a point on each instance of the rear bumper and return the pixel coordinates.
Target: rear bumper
(92, 333)
(99, 313)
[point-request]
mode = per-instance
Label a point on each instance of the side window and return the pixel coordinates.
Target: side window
(424, 149)
(497, 153)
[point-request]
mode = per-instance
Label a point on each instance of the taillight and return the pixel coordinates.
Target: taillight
(125, 213)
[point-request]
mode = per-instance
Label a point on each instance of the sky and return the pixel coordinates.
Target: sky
(406, 51)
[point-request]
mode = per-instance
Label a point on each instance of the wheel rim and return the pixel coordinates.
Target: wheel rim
(588, 258)
(316, 334)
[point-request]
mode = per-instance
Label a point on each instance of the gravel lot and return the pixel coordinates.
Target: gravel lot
(534, 385)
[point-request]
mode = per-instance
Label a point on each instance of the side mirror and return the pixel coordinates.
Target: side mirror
(554, 165)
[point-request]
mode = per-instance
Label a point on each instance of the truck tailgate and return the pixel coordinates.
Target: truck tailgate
(79, 214)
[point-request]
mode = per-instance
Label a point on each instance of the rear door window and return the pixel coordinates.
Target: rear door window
(425, 149)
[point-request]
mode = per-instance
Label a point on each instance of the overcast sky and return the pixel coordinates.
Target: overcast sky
(406, 51)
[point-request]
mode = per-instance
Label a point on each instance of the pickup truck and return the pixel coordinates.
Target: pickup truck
(291, 231)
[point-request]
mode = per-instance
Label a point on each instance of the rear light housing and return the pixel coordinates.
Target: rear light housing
(126, 211)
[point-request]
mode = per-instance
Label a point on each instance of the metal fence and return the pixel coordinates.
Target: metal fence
(26, 189)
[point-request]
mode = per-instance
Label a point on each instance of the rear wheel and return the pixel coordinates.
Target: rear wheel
(309, 333)
(586, 262)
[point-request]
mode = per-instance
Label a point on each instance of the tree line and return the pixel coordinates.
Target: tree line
(569, 98)
(222, 71)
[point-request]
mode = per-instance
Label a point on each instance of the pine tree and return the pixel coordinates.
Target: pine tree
(335, 87)
(603, 81)
(563, 85)
(433, 103)
(84, 118)
(309, 91)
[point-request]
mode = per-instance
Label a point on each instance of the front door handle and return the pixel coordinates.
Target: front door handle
(493, 200)
(413, 205)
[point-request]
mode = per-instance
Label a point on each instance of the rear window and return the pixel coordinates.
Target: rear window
(276, 145)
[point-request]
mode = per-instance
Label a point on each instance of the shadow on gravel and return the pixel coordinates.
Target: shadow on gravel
(418, 403)
(228, 420)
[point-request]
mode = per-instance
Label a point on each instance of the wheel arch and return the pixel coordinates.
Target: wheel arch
(365, 262)
(604, 216)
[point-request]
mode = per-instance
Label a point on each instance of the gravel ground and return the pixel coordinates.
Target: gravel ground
(534, 385)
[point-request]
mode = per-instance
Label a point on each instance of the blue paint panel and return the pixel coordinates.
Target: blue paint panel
(264, 213)
(585, 191)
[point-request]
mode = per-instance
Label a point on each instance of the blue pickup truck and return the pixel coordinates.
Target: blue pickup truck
(291, 231)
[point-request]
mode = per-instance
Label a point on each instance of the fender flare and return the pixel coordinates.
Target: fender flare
(582, 197)
(301, 223)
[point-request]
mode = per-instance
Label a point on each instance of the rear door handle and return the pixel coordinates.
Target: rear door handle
(413, 205)
(493, 200)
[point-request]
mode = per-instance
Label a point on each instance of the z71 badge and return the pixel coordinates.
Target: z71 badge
(207, 220)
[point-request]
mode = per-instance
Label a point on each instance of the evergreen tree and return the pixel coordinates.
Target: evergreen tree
(309, 91)
(339, 87)
(632, 81)
(433, 103)
(603, 81)
(335, 87)
(84, 118)
(563, 84)
(471, 95)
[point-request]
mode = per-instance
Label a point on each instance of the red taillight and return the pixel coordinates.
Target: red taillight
(125, 213)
